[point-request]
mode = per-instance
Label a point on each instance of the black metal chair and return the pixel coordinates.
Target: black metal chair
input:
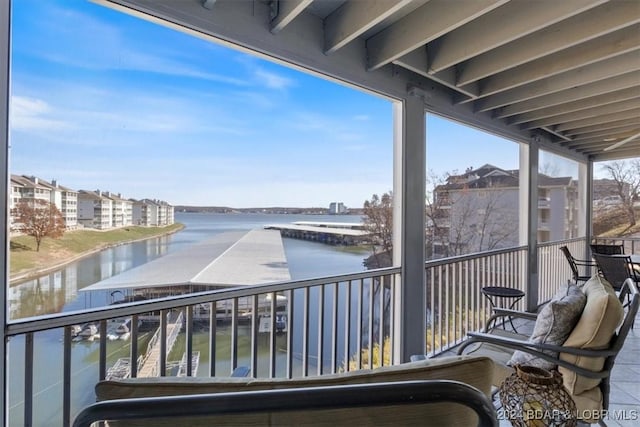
(628, 292)
(597, 248)
(616, 269)
(575, 264)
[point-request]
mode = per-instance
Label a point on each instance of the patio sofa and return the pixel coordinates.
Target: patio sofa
(470, 370)
(584, 355)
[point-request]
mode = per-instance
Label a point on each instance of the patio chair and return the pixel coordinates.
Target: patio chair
(574, 264)
(616, 269)
(585, 359)
(607, 249)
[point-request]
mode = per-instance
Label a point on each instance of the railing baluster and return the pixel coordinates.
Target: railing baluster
(334, 330)
(162, 360)
(234, 334)
(189, 340)
(66, 378)
(321, 301)
(28, 379)
(440, 311)
(432, 310)
(447, 307)
(255, 326)
(305, 333)
(290, 306)
(381, 318)
(347, 325)
(133, 355)
(213, 323)
(392, 318)
(370, 325)
(102, 372)
(272, 337)
(360, 321)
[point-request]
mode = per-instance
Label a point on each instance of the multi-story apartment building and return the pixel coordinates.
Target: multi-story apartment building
(152, 213)
(478, 211)
(31, 187)
(145, 212)
(91, 209)
(122, 210)
(95, 210)
(66, 200)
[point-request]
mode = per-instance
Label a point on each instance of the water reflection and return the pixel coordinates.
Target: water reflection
(58, 291)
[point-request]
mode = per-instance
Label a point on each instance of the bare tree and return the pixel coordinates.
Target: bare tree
(437, 218)
(39, 219)
(378, 220)
(626, 175)
(480, 223)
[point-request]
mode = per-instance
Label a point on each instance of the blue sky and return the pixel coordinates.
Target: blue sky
(103, 100)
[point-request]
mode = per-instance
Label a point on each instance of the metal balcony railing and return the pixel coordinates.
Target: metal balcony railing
(290, 329)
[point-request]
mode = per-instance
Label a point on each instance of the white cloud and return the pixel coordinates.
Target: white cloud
(272, 80)
(34, 114)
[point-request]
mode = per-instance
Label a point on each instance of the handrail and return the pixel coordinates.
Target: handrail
(294, 399)
(59, 320)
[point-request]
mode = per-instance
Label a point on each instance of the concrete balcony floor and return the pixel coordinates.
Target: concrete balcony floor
(625, 380)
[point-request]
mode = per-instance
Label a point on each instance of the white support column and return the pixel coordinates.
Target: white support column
(5, 21)
(409, 222)
(585, 203)
(529, 217)
(523, 223)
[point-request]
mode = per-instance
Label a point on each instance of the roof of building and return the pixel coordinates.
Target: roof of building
(228, 259)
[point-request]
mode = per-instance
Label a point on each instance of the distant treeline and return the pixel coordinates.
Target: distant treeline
(270, 210)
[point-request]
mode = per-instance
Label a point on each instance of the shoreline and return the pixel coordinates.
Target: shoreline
(36, 272)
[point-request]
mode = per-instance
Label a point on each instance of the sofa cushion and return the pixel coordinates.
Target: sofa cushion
(553, 325)
(600, 318)
(475, 371)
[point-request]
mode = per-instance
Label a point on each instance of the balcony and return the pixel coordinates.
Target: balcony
(559, 78)
(289, 329)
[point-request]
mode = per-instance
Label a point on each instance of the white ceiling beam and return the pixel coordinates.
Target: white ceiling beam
(613, 125)
(354, 18)
(631, 144)
(620, 131)
(584, 114)
(610, 137)
(568, 127)
(287, 12)
(624, 81)
(626, 152)
(571, 79)
(609, 46)
(582, 104)
(416, 61)
(502, 25)
(591, 24)
(426, 23)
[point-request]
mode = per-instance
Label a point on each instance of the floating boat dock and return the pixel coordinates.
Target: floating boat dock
(333, 233)
(236, 258)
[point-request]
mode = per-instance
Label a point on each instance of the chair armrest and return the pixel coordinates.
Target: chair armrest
(515, 313)
(585, 263)
(537, 349)
(504, 312)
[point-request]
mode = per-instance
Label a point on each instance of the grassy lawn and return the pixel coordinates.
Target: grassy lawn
(24, 258)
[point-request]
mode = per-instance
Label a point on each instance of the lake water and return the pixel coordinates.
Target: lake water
(60, 291)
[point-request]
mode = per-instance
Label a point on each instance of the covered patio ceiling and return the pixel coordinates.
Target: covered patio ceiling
(566, 73)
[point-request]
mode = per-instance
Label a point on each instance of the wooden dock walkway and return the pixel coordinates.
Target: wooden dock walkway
(151, 363)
